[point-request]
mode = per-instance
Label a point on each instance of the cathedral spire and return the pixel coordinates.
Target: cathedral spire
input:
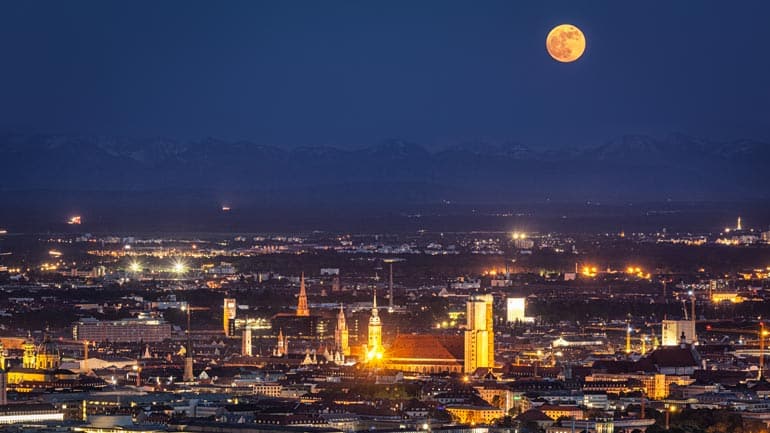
(302, 309)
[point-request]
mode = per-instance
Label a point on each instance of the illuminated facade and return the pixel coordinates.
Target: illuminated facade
(479, 333)
(228, 313)
(246, 342)
(122, 330)
(302, 308)
(341, 334)
(3, 379)
(30, 413)
(516, 310)
(40, 369)
(282, 345)
(474, 414)
(374, 340)
(426, 354)
(673, 330)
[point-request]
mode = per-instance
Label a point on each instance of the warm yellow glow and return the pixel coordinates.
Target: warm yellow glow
(375, 354)
(565, 43)
(75, 220)
(179, 267)
(135, 266)
(722, 297)
(589, 271)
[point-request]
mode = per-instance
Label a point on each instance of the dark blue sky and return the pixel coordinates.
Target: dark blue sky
(352, 73)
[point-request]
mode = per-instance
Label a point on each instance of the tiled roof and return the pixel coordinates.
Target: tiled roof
(426, 346)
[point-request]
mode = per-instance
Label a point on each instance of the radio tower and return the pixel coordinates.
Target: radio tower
(390, 282)
(188, 375)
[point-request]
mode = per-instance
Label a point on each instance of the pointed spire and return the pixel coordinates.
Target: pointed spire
(302, 308)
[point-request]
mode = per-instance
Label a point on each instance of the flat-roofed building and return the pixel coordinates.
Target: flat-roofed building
(122, 331)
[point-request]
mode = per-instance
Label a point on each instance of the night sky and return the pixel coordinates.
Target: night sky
(352, 73)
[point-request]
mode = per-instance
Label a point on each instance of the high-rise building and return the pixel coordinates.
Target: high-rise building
(246, 341)
(374, 342)
(341, 339)
(3, 378)
(479, 334)
(302, 308)
(516, 309)
(228, 314)
(673, 330)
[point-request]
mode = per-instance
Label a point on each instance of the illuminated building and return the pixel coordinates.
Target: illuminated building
(40, 369)
(122, 331)
(516, 310)
(479, 334)
(474, 414)
(29, 413)
(374, 341)
(302, 308)
(246, 342)
(558, 411)
(341, 334)
(228, 314)
(726, 297)
(3, 379)
(282, 345)
(426, 354)
(673, 330)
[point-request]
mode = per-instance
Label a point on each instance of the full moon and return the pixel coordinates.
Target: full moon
(565, 43)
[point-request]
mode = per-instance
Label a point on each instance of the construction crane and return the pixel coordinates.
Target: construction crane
(83, 343)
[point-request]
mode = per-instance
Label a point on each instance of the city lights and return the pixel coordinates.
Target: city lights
(135, 266)
(179, 266)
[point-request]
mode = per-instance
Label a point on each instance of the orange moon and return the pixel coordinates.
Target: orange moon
(565, 43)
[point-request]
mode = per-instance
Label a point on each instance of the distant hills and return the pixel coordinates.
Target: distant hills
(629, 168)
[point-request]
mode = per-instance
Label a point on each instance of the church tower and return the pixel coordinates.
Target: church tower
(374, 346)
(341, 334)
(28, 359)
(282, 346)
(302, 309)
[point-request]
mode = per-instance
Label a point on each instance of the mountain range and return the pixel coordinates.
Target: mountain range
(628, 168)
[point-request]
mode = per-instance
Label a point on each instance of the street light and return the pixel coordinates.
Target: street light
(135, 266)
(669, 410)
(179, 267)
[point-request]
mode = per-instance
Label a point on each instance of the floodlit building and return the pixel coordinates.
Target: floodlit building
(122, 331)
(302, 308)
(673, 330)
(246, 342)
(516, 309)
(479, 333)
(374, 340)
(341, 334)
(228, 314)
(29, 413)
(426, 354)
